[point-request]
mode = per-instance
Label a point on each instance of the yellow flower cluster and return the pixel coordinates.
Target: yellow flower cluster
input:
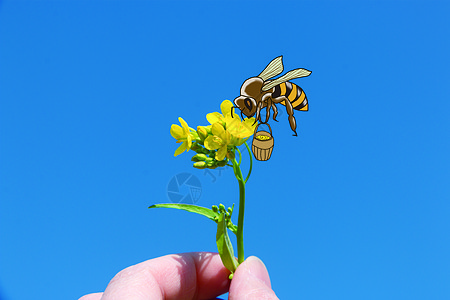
(217, 141)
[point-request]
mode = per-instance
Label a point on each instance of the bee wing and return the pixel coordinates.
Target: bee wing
(274, 68)
(297, 73)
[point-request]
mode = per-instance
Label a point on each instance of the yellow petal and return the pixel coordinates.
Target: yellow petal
(233, 125)
(233, 117)
(189, 141)
(212, 143)
(220, 155)
(180, 149)
(226, 137)
(214, 117)
(239, 141)
(251, 122)
(249, 126)
(176, 131)
(217, 129)
(242, 129)
(184, 124)
(226, 107)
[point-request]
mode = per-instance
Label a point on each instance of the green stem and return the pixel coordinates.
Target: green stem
(240, 229)
(251, 162)
(240, 156)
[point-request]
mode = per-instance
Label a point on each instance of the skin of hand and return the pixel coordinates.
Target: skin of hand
(188, 276)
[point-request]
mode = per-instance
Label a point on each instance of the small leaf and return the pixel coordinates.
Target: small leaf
(191, 208)
(224, 245)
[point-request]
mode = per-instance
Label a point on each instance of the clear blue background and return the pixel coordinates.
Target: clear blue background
(356, 207)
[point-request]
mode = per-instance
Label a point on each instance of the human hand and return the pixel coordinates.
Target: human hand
(194, 276)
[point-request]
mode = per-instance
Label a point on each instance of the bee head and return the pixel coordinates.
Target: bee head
(247, 105)
(250, 95)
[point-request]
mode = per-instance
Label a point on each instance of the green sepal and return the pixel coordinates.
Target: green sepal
(209, 213)
(224, 245)
(232, 227)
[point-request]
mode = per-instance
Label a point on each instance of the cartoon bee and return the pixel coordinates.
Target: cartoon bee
(259, 92)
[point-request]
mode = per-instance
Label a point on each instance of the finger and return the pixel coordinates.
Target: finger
(94, 296)
(251, 281)
(195, 275)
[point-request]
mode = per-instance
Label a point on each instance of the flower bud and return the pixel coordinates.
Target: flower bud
(222, 163)
(202, 132)
(230, 155)
(200, 165)
(215, 208)
(196, 147)
(199, 157)
(221, 207)
(211, 164)
(202, 150)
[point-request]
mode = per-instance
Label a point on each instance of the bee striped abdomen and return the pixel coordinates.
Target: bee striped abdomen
(294, 93)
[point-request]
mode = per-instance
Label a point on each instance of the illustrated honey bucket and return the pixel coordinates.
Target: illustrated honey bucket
(262, 145)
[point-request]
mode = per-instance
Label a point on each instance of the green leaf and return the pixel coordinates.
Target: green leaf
(224, 245)
(191, 208)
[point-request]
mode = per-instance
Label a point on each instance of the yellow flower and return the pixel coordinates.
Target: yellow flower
(216, 117)
(240, 129)
(232, 122)
(183, 135)
(219, 139)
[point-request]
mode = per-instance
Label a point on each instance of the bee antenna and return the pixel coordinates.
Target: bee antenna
(232, 108)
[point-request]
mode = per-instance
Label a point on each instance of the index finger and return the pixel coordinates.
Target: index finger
(194, 275)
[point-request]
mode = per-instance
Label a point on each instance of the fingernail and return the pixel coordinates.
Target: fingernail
(257, 269)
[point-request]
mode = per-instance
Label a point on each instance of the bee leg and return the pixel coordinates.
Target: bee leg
(289, 110)
(258, 116)
(293, 124)
(267, 113)
(267, 102)
(275, 112)
(291, 117)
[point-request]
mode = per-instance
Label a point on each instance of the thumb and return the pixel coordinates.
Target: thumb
(251, 281)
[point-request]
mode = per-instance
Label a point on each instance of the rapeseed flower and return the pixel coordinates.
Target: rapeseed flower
(219, 140)
(232, 122)
(184, 135)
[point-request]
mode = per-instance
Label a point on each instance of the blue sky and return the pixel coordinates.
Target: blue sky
(356, 207)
